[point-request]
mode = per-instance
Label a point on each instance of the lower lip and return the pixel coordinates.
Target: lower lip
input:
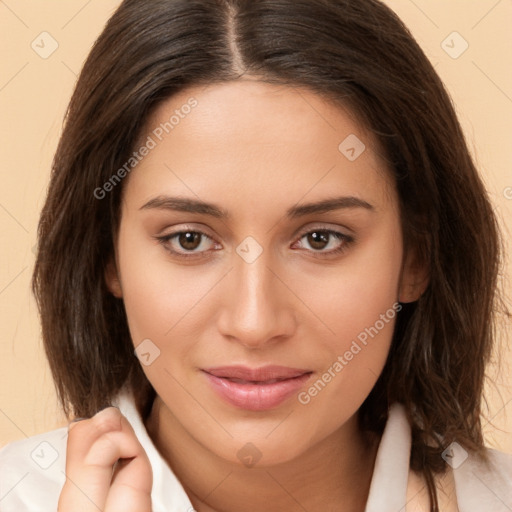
(256, 397)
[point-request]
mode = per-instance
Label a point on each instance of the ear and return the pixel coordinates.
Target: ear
(414, 279)
(112, 279)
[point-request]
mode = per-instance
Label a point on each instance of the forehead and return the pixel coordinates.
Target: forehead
(238, 139)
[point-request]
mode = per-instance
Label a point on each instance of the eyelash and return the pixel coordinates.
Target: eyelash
(346, 239)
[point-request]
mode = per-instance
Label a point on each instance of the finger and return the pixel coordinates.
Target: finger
(130, 490)
(94, 446)
(131, 485)
(87, 481)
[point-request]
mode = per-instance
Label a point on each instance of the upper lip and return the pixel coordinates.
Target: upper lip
(262, 374)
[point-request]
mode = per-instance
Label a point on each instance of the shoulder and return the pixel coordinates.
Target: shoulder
(484, 485)
(32, 472)
(469, 483)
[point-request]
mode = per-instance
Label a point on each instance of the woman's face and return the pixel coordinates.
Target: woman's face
(260, 261)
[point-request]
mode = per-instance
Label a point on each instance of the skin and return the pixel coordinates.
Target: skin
(256, 150)
(93, 448)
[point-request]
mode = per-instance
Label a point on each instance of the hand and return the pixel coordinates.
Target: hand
(92, 483)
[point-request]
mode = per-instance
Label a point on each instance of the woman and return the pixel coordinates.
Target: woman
(266, 243)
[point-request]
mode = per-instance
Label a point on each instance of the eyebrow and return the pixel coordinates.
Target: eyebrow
(196, 206)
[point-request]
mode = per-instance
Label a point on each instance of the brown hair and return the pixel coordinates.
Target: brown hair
(356, 53)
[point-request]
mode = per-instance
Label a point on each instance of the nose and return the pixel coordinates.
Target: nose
(257, 308)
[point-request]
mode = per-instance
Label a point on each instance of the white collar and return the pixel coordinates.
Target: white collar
(167, 494)
(388, 488)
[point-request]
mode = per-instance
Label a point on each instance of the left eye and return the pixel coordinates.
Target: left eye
(321, 239)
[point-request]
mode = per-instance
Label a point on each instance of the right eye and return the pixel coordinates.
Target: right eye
(185, 243)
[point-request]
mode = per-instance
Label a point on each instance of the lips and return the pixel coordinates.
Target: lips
(256, 389)
(263, 374)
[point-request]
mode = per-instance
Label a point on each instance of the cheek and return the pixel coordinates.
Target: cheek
(149, 290)
(162, 300)
(358, 308)
(352, 296)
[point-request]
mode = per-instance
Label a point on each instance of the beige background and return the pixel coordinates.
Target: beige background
(34, 92)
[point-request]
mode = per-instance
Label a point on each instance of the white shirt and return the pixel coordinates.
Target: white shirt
(32, 473)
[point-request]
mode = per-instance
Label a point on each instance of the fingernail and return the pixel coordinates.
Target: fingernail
(72, 423)
(106, 407)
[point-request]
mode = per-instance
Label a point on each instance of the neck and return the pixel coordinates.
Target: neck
(336, 471)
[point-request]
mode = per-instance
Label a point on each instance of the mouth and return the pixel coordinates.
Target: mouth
(257, 389)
